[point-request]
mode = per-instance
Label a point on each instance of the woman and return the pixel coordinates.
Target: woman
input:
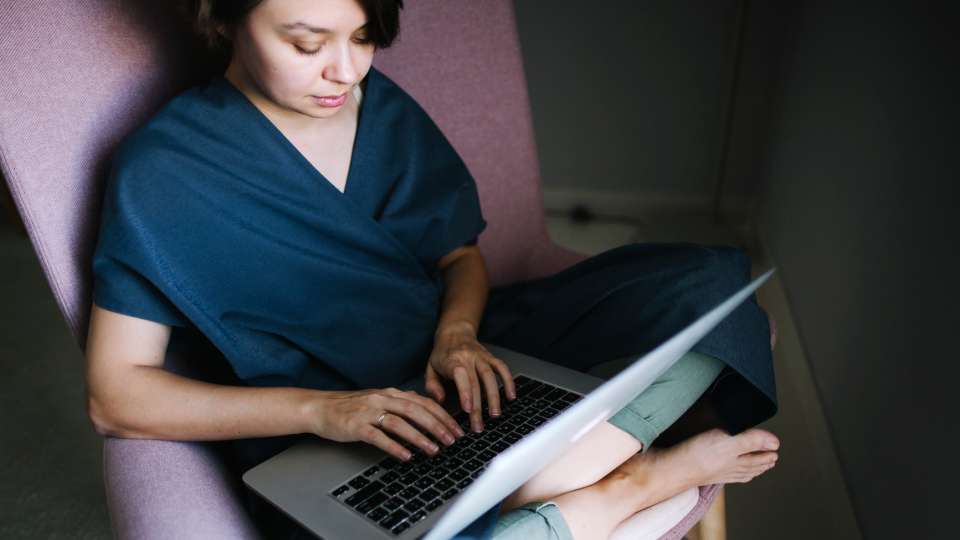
(306, 217)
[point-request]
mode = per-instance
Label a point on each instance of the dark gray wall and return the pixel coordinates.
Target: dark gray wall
(859, 210)
(626, 95)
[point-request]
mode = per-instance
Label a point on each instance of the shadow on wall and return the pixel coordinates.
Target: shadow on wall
(9, 217)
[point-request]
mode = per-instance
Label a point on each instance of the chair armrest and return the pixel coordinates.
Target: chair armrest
(707, 494)
(170, 489)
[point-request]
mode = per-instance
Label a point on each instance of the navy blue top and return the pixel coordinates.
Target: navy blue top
(213, 219)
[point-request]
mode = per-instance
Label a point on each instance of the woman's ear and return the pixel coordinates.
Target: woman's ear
(223, 31)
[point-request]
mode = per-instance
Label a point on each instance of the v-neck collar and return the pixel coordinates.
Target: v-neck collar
(356, 158)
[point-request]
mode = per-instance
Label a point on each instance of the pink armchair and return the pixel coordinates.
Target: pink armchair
(75, 77)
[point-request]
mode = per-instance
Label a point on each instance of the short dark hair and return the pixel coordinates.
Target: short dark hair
(214, 20)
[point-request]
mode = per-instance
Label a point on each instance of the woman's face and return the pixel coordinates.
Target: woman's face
(296, 52)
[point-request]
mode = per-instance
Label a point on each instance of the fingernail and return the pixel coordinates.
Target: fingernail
(434, 448)
(494, 412)
(772, 446)
(407, 456)
(460, 432)
(448, 439)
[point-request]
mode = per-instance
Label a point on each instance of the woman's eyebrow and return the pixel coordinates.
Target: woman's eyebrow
(300, 25)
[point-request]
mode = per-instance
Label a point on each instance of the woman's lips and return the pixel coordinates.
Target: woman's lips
(330, 101)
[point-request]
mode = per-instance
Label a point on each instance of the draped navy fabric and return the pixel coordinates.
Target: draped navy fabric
(213, 218)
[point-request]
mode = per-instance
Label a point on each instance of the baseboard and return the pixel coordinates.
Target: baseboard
(642, 206)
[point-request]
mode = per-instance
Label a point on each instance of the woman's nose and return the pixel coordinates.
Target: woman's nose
(343, 69)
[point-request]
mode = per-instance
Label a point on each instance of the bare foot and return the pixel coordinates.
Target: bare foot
(712, 457)
(660, 473)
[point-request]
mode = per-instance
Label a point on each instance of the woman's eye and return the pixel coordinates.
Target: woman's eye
(306, 52)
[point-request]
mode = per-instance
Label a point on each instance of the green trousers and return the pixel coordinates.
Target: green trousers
(645, 418)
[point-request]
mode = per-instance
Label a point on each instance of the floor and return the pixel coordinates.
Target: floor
(50, 468)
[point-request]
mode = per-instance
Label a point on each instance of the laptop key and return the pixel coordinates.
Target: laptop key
(459, 474)
(364, 494)
(500, 446)
(341, 490)
(413, 505)
(394, 518)
(371, 502)
(443, 485)
(400, 528)
(410, 492)
(429, 495)
(389, 477)
(389, 463)
(394, 488)
(424, 482)
(531, 387)
(556, 394)
(371, 471)
(439, 472)
(408, 479)
(358, 482)
(434, 504)
(450, 493)
(464, 483)
(393, 504)
(472, 465)
(417, 517)
(377, 514)
(487, 455)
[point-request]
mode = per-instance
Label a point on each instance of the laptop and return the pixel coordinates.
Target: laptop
(355, 490)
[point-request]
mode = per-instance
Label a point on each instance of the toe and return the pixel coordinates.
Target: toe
(755, 439)
(758, 459)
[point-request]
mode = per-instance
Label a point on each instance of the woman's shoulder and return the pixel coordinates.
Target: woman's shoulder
(193, 118)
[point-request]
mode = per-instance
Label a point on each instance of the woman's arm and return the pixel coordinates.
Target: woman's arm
(467, 286)
(456, 353)
(130, 395)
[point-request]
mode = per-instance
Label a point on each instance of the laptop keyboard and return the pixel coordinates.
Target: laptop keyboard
(395, 495)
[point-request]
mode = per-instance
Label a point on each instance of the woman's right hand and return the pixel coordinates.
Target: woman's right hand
(352, 416)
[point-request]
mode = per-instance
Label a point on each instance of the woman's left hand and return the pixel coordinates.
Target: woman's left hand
(459, 356)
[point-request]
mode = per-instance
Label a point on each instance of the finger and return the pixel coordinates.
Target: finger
(395, 424)
(508, 387)
(433, 384)
(418, 410)
(462, 381)
(476, 413)
(490, 385)
(440, 413)
(374, 436)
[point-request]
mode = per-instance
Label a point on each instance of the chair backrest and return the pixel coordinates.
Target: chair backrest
(76, 77)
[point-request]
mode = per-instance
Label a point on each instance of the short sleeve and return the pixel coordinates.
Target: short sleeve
(465, 221)
(126, 278)
(121, 289)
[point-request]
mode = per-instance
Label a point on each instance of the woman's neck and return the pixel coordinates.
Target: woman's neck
(287, 120)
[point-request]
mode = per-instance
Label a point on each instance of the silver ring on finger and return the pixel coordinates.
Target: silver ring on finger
(380, 420)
